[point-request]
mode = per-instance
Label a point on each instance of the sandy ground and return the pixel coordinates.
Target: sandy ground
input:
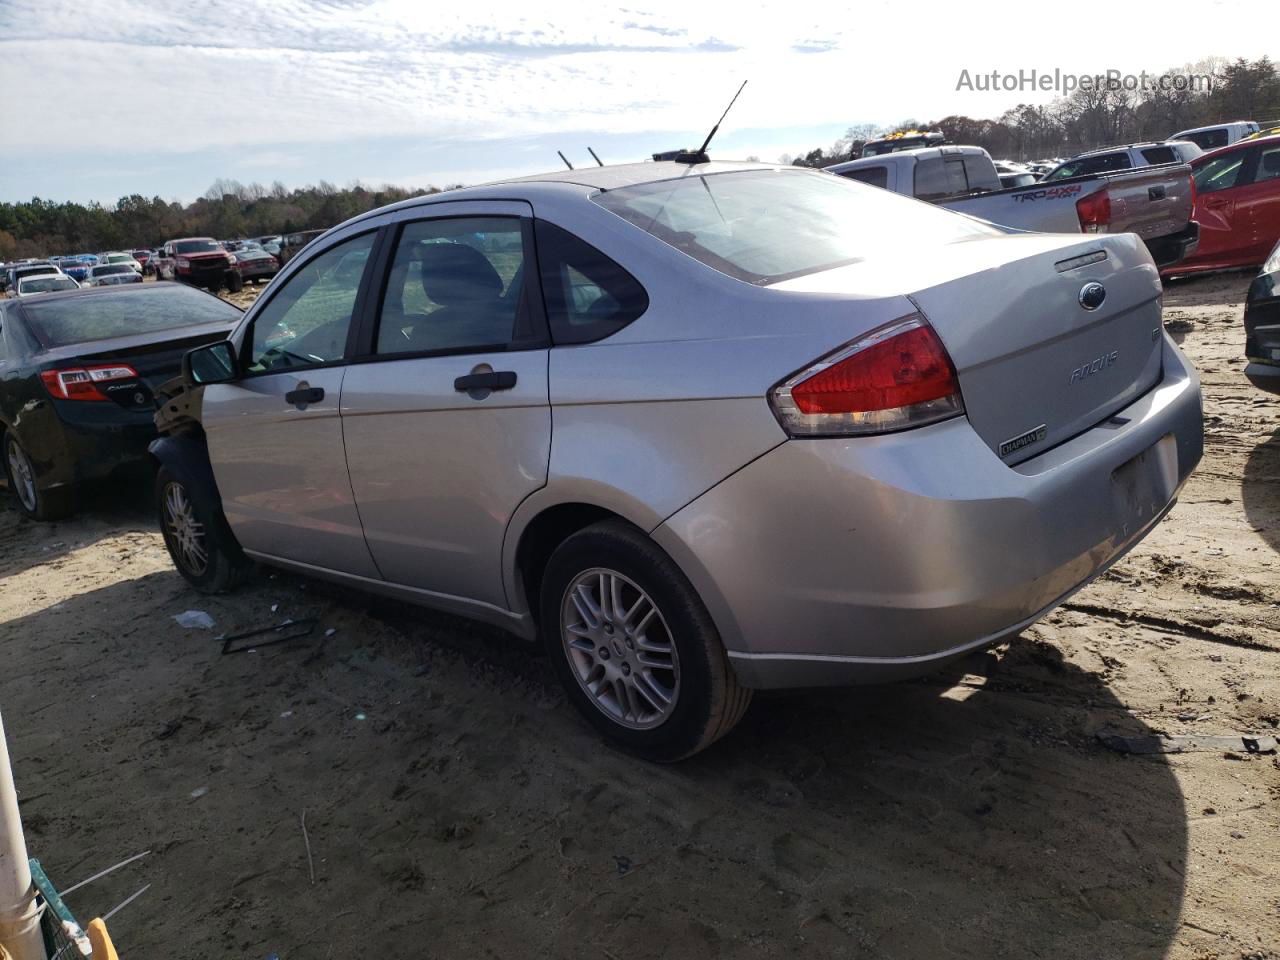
(456, 807)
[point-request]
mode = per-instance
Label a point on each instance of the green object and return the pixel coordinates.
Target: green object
(63, 935)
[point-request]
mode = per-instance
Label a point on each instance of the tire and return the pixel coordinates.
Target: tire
(196, 534)
(235, 283)
(678, 654)
(32, 502)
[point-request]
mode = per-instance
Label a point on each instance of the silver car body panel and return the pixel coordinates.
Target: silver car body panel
(820, 561)
(282, 471)
(917, 545)
(436, 473)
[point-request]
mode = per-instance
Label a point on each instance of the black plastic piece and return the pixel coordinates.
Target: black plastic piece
(497, 380)
(304, 396)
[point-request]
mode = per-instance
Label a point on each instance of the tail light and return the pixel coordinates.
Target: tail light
(896, 377)
(81, 383)
(1094, 212)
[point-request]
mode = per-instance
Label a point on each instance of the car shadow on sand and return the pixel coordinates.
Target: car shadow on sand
(453, 795)
(1260, 489)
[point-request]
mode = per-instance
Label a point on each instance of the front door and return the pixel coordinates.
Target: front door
(275, 436)
(447, 423)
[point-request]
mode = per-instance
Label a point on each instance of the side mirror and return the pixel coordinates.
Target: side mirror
(214, 363)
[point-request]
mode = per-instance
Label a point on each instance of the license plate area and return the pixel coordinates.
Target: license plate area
(1142, 486)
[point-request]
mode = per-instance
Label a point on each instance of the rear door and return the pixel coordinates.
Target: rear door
(446, 416)
(1258, 203)
(1220, 182)
(275, 436)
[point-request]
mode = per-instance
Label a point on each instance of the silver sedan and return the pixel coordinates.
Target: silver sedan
(705, 429)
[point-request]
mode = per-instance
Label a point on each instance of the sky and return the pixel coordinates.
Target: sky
(107, 98)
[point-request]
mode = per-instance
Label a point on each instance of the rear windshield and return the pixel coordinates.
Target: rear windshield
(112, 268)
(124, 312)
(765, 226)
(43, 284)
(196, 246)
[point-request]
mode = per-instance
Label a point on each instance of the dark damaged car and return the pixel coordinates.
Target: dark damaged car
(78, 375)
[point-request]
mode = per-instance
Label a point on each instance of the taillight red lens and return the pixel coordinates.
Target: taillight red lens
(81, 383)
(896, 377)
(1094, 212)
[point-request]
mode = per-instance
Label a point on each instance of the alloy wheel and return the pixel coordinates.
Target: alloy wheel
(22, 474)
(185, 530)
(620, 649)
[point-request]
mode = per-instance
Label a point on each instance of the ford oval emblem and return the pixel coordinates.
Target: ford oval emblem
(1092, 295)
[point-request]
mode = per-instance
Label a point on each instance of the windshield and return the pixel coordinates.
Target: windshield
(765, 226)
(46, 284)
(196, 246)
(124, 311)
(119, 258)
(109, 269)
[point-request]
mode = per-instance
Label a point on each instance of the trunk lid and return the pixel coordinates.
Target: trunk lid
(156, 357)
(1035, 367)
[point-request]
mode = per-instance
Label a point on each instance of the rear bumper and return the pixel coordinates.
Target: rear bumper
(1262, 332)
(1167, 251)
(88, 444)
(829, 562)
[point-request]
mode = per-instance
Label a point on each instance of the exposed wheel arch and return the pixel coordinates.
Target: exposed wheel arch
(539, 539)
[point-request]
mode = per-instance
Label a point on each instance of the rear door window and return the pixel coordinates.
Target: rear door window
(588, 295)
(1156, 155)
(876, 176)
(940, 177)
(980, 173)
(456, 285)
(1268, 164)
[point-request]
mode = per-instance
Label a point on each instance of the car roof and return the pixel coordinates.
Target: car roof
(584, 179)
(1238, 145)
(918, 153)
(1129, 146)
(1213, 126)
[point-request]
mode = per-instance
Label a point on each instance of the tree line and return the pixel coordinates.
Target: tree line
(1239, 89)
(228, 209)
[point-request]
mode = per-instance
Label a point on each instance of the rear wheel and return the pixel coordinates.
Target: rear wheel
(200, 543)
(32, 501)
(234, 282)
(634, 647)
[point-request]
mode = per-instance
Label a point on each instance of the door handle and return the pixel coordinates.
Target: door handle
(493, 380)
(304, 395)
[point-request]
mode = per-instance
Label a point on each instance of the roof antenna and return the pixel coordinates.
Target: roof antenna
(594, 157)
(566, 160)
(700, 155)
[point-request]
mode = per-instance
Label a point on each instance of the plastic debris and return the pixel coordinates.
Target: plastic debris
(199, 792)
(194, 620)
(361, 716)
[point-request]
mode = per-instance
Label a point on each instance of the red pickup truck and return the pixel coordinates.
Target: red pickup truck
(199, 261)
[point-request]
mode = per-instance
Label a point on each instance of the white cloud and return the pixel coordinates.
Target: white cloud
(267, 77)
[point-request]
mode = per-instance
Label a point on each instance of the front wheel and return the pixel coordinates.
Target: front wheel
(200, 543)
(634, 647)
